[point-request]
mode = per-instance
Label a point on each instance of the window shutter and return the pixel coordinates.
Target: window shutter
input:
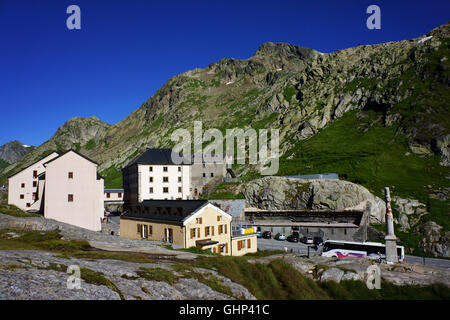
(239, 245)
(218, 218)
(248, 243)
(198, 230)
(225, 229)
(226, 248)
(212, 230)
(200, 220)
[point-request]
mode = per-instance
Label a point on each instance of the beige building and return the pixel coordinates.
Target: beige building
(185, 224)
(64, 187)
(26, 187)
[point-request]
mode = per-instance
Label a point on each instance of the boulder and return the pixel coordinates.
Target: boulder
(279, 193)
(332, 274)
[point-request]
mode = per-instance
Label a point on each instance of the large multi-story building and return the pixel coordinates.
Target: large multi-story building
(65, 188)
(153, 175)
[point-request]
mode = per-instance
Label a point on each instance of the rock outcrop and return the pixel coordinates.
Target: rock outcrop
(321, 194)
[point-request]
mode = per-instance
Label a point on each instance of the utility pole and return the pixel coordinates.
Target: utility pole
(390, 238)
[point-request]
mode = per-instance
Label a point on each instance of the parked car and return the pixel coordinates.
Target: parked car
(280, 236)
(307, 240)
(267, 235)
(318, 241)
(292, 238)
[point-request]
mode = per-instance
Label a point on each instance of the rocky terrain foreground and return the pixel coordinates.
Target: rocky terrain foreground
(168, 274)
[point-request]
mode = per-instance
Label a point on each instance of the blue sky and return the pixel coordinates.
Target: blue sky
(126, 50)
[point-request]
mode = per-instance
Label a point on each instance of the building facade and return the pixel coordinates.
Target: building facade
(74, 191)
(184, 224)
(113, 196)
(154, 176)
(26, 187)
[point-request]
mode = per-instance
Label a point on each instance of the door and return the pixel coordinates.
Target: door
(170, 235)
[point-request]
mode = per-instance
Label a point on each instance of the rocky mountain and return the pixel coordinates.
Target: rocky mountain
(12, 152)
(375, 114)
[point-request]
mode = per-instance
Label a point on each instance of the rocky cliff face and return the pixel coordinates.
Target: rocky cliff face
(13, 151)
(284, 193)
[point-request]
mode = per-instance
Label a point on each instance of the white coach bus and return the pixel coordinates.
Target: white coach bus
(346, 249)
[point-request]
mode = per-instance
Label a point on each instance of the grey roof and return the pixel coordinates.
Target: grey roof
(235, 207)
(155, 156)
(315, 176)
(165, 210)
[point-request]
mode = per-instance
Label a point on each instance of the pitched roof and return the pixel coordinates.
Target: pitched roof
(234, 207)
(71, 150)
(155, 156)
(35, 163)
(166, 210)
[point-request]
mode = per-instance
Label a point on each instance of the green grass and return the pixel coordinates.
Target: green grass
(14, 211)
(113, 178)
(158, 274)
(279, 280)
(289, 92)
(90, 145)
(51, 241)
(97, 278)
(3, 164)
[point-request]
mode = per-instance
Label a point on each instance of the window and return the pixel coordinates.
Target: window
(219, 218)
(28, 205)
(70, 175)
(199, 220)
(165, 169)
(165, 179)
(23, 185)
(34, 184)
(108, 195)
(70, 198)
(165, 190)
(151, 179)
(192, 233)
(204, 175)
(150, 169)
(179, 169)
(22, 196)
(179, 189)
(204, 165)
(151, 189)
(120, 195)
(207, 231)
(220, 229)
(34, 173)
(212, 174)
(179, 179)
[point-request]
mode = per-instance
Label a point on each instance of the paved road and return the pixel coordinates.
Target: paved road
(272, 244)
(432, 262)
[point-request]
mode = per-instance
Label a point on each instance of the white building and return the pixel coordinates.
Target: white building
(154, 176)
(26, 187)
(68, 189)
